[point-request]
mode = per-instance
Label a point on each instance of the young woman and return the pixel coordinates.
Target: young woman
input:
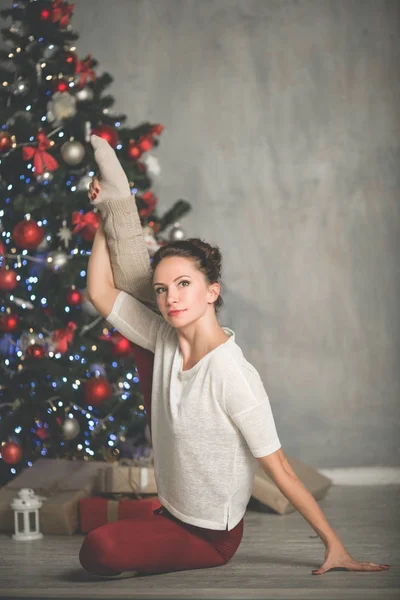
(211, 419)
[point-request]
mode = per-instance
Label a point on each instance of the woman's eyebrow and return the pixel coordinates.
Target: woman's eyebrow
(180, 276)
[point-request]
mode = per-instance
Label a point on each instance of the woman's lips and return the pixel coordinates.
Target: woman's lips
(173, 313)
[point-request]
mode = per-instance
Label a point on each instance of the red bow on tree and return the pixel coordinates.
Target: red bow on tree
(150, 200)
(62, 337)
(88, 221)
(41, 159)
(83, 69)
(62, 12)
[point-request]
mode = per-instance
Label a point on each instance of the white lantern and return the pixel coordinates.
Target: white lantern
(26, 515)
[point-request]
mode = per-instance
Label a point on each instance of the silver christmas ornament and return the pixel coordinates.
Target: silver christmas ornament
(73, 152)
(56, 260)
(45, 177)
(176, 233)
(84, 183)
(85, 95)
(70, 428)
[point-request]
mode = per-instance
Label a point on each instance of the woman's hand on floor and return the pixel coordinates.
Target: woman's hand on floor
(340, 558)
(114, 182)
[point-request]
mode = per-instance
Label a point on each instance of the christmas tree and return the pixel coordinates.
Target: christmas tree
(69, 386)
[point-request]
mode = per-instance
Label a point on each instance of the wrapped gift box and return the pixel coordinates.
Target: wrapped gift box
(98, 510)
(120, 478)
(60, 483)
(267, 494)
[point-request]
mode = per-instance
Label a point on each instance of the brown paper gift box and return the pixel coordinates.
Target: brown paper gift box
(119, 478)
(266, 492)
(60, 483)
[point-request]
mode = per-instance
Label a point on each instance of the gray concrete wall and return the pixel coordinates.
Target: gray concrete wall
(282, 130)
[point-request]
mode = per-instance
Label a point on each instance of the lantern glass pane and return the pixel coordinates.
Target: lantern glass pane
(32, 521)
(20, 521)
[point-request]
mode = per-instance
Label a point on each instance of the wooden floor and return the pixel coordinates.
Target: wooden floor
(274, 560)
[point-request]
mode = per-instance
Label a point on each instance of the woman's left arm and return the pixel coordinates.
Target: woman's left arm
(279, 470)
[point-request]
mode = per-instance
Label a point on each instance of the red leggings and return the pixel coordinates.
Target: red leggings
(159, 543)
(156, 544)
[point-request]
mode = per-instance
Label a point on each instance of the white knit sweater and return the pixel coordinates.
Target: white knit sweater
(208, 423)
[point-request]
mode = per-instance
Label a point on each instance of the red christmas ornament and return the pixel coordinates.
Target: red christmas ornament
(8, 323)
(157, 129)
(122, 347)
(108, 133)
(5, 141)
(8, 280)
(45, 14)
(133, 150)
(42, 433)
(36, 351)
(97, 390)
(27, 234)
(61, 85)
(145, 143)
(11, 453)
(74, 297)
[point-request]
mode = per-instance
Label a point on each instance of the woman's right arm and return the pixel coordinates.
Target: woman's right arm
(100, 282)
(128, 315)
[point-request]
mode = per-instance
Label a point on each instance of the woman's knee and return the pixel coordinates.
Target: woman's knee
(97, 553)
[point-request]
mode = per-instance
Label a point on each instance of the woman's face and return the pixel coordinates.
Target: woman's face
(182, 292)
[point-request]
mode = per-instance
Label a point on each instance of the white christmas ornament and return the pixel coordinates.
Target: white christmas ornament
(152, 164)
(61, 106)
(65, 234)
(85, 94)
(70, 428)
(26, 515)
